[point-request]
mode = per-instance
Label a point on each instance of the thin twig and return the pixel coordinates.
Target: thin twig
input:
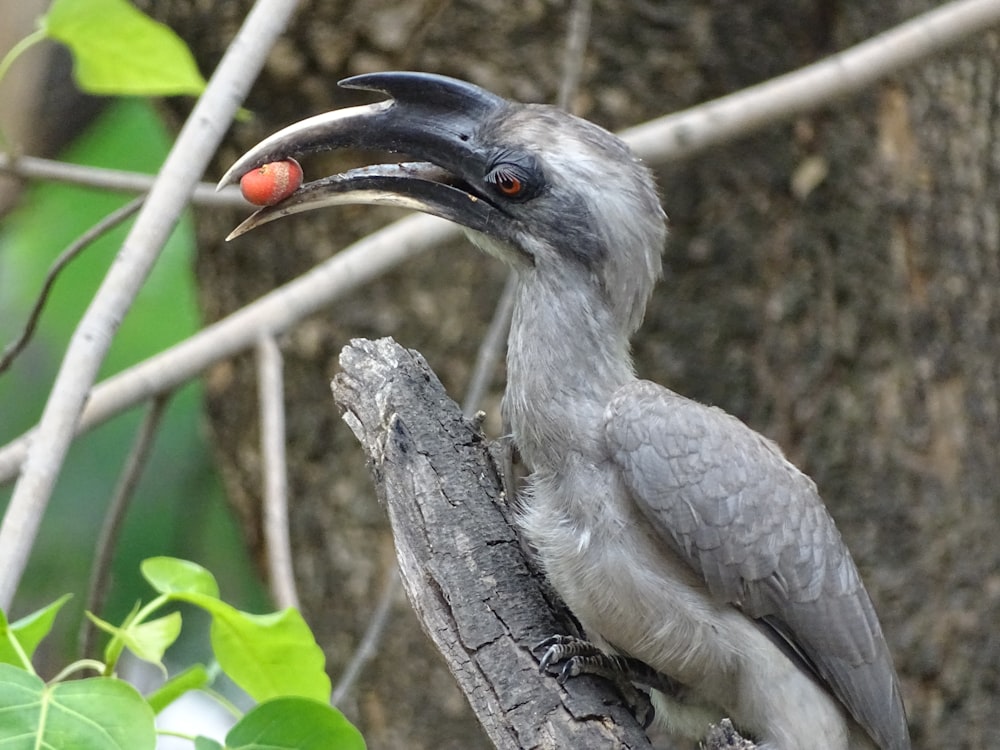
(675, 136)
(369, 641)
(109, 222)
(490, 352)
(573, 55)
(277, 545)
(492, 346)
(89, 344)
(671, 137)
(687, 133)
(275, 312)
(119, 180)
(491, 349)
(656, 142)
(107, 540)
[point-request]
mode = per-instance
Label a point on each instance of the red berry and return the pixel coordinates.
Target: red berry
(271, 182)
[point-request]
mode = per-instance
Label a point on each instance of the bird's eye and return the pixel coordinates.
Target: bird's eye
(506, 178)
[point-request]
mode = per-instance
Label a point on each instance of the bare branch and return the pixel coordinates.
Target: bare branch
(278, 547)
(34, 167)
(476, 594)
(576, 45)
(105, 225)
(368, 646)
(195, 145)
(692, 131)
(675, 136)
(275, 312)
(491, 349)
(107, 540)
(658, 141)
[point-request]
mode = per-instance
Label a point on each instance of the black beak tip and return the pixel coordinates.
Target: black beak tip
(391, 82)
(427, 89)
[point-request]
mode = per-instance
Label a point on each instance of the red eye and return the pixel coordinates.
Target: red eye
(508, 184)
(507, 180)
(519, 179)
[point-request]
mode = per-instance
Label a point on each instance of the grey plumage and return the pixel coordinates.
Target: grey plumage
(677, 535)
(727, 501)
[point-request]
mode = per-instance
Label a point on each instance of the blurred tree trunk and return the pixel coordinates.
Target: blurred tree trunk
(834, 281)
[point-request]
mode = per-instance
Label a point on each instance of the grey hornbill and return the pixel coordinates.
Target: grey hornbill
(677, 535)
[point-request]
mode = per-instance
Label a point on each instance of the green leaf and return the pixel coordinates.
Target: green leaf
(100, 713)
(294, 724)
(150, 639)
(192, 678)
(117, 50)
(147, 640)
(269, 656)
(29, 631)
(206, 743)
(170, 575)
(114, 647)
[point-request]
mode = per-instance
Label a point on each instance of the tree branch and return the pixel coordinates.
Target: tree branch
(114, 517)
(118, 180)
(463, 568)
(277, 545)
(475, 591)
(195, 145)
(669, 138)
(368, 646)
(81, 243)
(684, 134)
(275, 312)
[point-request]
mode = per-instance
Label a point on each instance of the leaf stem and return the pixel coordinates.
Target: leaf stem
(223, 701)
(175, 733)
(113, 651)
(14, 52)
(79, 666)
(16, 645)
(33, 38)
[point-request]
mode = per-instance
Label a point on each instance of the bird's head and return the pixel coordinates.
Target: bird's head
(547, 192)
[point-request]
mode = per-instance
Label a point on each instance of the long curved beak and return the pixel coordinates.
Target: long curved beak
(429, 117)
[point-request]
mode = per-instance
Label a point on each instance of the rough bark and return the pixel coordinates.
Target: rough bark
(474, 588)
(854, 317)
(464, 570)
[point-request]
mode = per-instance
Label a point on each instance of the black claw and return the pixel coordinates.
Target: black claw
(553, 640)
(569, 670)
(547, 658)
(567, 648)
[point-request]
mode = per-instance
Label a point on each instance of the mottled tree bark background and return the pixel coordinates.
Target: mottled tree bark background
(834, 281)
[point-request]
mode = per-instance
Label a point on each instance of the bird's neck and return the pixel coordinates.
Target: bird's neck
(566, 356)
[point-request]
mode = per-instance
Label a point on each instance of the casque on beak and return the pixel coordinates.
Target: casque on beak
(429, 117)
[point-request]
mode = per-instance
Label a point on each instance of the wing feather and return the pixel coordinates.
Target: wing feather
(725, 498)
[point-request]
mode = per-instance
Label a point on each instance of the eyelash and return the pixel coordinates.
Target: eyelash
(506, 181)
(509, 180)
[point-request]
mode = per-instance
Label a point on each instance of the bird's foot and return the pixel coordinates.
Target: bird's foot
(577, 656)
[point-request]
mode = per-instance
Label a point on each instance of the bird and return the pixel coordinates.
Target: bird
(681, 539)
